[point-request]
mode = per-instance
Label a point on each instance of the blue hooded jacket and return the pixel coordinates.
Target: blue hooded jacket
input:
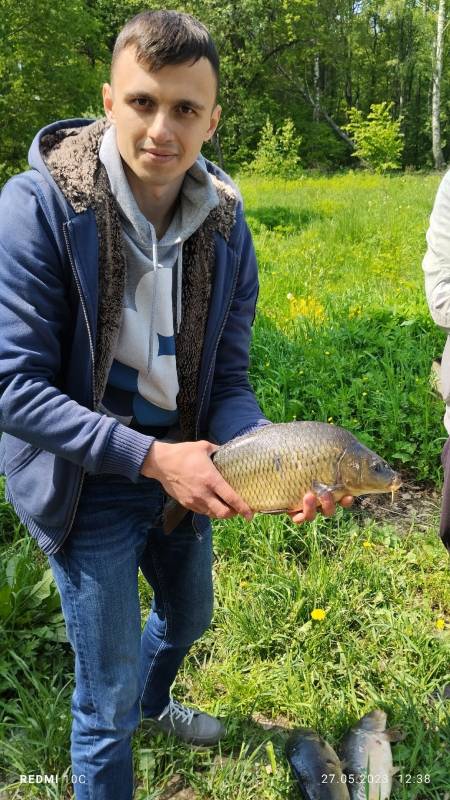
(49, 316)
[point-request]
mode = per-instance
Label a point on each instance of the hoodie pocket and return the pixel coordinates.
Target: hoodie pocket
(26, 453)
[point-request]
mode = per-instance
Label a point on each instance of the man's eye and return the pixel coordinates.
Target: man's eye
(141, 101)
(187, 110)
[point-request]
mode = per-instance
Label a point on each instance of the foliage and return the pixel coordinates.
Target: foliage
(52, 64)
(378, 138)
(277, 152)
(30, 608)
(320, 147)
(307, 60)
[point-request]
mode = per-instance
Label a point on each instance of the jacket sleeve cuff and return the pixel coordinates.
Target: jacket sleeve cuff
(125, 452)
(260, 423)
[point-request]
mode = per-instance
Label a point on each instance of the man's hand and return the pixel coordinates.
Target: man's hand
(187, 473)
(311, 502)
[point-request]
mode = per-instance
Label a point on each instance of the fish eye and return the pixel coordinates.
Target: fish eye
(378, 467)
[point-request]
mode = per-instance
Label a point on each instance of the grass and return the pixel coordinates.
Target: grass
(342, 333)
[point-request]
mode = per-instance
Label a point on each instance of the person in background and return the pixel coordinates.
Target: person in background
(129, 284)
(436, 266)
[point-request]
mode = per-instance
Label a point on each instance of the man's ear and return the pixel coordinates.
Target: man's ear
(214, 121)
(108, 101)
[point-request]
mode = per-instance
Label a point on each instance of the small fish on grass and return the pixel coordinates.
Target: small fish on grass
(366, 757)
(316, 766)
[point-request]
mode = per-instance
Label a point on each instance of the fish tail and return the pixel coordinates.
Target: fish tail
(172, 515)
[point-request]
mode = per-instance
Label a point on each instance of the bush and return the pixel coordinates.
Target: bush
(378, 139)
(321, 148)
(277, 151)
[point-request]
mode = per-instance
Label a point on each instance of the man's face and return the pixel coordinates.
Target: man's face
(162, 118)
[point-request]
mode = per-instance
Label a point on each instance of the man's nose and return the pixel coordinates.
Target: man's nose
(159, 128)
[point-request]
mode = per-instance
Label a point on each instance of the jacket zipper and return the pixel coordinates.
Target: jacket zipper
(224, 322)
(91, 347)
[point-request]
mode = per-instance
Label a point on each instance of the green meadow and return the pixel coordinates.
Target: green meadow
(316, 624)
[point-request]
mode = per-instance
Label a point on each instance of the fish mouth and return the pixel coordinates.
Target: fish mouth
(395, 483)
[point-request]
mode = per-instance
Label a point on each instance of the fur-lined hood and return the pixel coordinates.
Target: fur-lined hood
(71, 156)
(68, 155)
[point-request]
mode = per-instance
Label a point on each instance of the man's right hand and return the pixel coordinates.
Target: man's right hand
(187, 474)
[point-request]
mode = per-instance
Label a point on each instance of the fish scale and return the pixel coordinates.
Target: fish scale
(273, 467)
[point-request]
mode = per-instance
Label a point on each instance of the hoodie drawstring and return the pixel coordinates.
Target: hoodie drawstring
(155, 292)
(154, 296)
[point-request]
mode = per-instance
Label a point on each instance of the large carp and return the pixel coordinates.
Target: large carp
(316, 766)
(273, 467)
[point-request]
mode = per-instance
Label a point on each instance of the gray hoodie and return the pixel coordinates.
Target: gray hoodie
(142, 384)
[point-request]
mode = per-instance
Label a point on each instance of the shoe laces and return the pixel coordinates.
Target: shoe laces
(177, 711)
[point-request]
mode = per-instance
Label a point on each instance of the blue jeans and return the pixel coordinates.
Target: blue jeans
(121, 673)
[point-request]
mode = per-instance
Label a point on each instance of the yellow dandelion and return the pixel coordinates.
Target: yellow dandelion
(311, 308)
(440, 624)
(364, 394)
(306, 307)
(318, 614)
(366, 543)
(354, 311)
(330, 419)
(327, 352)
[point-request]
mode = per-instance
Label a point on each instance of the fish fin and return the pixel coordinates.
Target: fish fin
(322, 488)
(172, 515)
(395, 734)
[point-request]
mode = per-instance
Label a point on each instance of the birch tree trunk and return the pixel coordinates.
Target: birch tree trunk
(306, 94)
(437, 76)
(316, 110)
(215, 141)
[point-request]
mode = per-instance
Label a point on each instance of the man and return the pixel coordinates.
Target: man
(436, 266)
(129, 285)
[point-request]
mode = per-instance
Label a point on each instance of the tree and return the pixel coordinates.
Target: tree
(437, 78)
(307, 60)
(277, 152)
(50, 66)
(378, 138)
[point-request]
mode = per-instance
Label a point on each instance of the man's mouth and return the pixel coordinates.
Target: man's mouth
(159, 155)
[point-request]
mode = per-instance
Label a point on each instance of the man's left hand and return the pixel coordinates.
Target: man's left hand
(311, 503)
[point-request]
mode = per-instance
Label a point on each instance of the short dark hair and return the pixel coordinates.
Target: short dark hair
(166, 37)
